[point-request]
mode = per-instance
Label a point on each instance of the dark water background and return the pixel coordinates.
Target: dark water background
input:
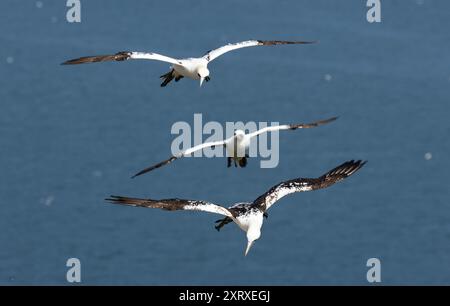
(69, 136)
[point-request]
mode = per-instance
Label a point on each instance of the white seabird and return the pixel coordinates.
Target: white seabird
(194, 68)
(249, 216)
(236, 145)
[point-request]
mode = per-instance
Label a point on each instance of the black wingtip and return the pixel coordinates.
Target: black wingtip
(346, 169)
(330, 120)
(306, 42)
(143, 172)
(285, 42)
(353, 165)
(358, 162)
(158, 165)
(313, 124)
(112, 199)
(70, 62)
(139, 173)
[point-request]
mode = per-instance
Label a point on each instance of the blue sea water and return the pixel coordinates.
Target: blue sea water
(72, 135)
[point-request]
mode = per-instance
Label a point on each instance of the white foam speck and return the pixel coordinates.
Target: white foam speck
(428, 156)
(10, 59)
(328, 77)
(48, 201)
(39, 4)
(420, 2)
(97, 173)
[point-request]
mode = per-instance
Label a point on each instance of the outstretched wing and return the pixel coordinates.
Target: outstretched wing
(212, 54)
(339, 173)
(291, 127)
(171, 204)
(122, 56)
(182, 154)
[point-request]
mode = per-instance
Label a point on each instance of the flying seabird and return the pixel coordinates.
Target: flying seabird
(236, 145)
(248, 216)
(194, 68)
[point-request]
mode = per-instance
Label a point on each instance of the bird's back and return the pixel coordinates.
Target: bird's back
(247, 215)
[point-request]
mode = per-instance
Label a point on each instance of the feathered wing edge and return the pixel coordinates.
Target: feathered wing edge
(122, 56)
(312, 124)
(215, 53)
(171, 204)
(291, 127)
(181, 154)
(156, 166)
(333, 176)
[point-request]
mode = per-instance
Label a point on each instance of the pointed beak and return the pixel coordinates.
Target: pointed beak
(201, 81)
(249, 245)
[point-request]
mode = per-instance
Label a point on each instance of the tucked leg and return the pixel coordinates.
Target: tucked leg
(223, 222)
(242, 162)
(167, 78)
